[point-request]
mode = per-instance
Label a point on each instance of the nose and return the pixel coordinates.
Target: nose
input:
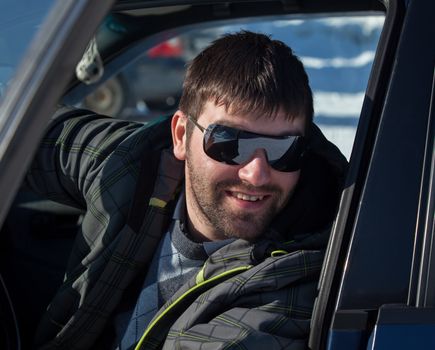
(257, 171)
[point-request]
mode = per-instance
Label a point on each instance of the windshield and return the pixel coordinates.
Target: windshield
(19, 22)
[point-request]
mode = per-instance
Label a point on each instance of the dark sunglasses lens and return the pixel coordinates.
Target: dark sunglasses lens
(283, 154)
(221, 144)
(292, 159)
(275, 148)
(232, 146)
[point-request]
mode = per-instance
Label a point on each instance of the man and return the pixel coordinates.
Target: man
(217, 247)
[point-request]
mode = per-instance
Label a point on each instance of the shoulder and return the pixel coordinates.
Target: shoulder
(265, 264)
(73, 128)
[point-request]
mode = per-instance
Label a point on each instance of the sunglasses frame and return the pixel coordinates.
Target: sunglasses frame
(275, 165)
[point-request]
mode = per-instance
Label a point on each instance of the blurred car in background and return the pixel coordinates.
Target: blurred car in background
(337, 52)
(149, 87)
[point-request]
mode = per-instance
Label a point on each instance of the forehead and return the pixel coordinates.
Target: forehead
(279, 125)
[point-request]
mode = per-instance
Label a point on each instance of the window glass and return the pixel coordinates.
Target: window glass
(337, 52)
(19, 22)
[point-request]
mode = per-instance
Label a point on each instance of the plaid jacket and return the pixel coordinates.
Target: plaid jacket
(125, 177)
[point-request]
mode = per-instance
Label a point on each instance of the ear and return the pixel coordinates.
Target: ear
(178, 128)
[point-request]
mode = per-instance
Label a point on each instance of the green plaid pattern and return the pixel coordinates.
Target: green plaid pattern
(245, 297)
(93, 163)
(266, 305)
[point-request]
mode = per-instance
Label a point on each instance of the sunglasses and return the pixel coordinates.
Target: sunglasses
(235, 147)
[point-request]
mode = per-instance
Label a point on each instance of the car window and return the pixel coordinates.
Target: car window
(19, 22)
(337, 52)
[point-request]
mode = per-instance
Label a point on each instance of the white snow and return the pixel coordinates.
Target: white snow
(334, 104)
(361, 60)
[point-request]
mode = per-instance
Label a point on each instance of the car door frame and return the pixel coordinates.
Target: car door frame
(373, 246)
(39, 83)
(28, 103)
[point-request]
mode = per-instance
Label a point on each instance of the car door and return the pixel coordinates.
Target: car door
(377, 288)
(40, 43)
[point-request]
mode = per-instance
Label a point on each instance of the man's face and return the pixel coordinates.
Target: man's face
(233, 200)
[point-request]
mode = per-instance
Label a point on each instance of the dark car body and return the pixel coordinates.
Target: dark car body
(377, 288)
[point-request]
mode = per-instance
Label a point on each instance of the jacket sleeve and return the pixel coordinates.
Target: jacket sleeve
(264, 308)
(72, 153)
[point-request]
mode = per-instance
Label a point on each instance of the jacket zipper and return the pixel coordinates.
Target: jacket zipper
(202, 283)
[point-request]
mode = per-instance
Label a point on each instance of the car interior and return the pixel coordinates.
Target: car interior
(37, 235)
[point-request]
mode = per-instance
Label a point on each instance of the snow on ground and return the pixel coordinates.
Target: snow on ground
(363, 59)
(335, 104)
(342, 137)
(337, 53)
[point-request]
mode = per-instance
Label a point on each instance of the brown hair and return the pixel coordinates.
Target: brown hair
(248, 73)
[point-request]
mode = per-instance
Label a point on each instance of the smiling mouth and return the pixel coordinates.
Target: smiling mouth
(247, 197)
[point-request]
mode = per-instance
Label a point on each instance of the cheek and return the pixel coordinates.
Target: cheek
(216, 171)
(202, 164)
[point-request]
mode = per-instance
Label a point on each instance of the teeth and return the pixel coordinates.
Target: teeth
(246, 197)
